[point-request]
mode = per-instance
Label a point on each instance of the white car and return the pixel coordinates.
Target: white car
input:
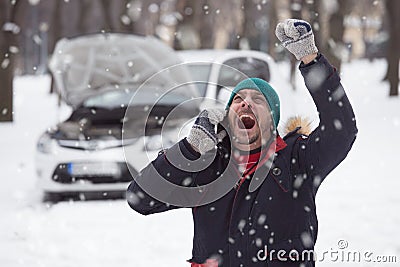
(102, 77)
(111, 81)
(223, 69)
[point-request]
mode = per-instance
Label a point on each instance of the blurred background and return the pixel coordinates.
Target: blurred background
(344, 30)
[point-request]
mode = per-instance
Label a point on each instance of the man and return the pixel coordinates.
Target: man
(273, 222)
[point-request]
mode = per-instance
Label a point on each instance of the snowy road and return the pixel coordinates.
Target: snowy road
(358, 203)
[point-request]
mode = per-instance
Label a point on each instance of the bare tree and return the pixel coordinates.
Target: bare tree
(145, 16)
(84, 11)
(335, 45)
(8, 47)
(189, 30)
(108, 21)
(228, 20)
(393, 53)
(273, 21)
(250, 31)
(114, 20)
(204, 22)
(327, 19)
(314, 10)
(295, 8)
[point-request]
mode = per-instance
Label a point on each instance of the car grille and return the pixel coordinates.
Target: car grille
(92, 145)
(62, 174)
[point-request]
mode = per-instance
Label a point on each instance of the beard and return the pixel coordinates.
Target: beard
(246, 140)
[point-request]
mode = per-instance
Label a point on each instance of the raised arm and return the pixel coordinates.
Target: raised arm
(331, 141)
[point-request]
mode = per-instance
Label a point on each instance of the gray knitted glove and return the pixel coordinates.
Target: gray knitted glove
(297, 37)
(202, 136)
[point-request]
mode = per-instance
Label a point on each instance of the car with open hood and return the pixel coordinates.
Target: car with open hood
(110, 80)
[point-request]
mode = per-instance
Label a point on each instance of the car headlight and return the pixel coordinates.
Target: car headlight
(46, 144)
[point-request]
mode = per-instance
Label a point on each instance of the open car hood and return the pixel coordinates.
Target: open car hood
(83, 66)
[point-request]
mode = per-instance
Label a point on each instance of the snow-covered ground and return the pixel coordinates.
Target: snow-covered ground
(359, 201)
(357, 205)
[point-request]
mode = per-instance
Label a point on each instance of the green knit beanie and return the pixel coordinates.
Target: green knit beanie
(266, 89)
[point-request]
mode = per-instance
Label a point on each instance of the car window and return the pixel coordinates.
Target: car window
(231, 70)
(200, 73)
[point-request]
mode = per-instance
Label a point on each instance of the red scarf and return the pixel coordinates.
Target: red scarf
(249, 163)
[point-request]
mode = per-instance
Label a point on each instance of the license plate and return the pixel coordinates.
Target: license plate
(94, 169)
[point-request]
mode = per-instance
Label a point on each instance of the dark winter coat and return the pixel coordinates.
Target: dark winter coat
(281, 213)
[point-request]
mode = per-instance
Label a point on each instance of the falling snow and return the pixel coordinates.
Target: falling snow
(5, 63)
(187, 181)
(306, 239)
(298, 182)
(125, 20)
(337, 124)
(241, 225)
(261, 219)
(351, 203)
(317, 180)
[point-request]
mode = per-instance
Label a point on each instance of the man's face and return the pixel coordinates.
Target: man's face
(249, 119)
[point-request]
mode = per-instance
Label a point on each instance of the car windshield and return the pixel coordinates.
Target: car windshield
(129, 96)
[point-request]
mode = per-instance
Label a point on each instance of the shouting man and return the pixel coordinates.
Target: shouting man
(267, 216)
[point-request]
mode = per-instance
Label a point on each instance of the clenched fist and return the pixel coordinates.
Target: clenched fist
(202, 136)
(297, 37)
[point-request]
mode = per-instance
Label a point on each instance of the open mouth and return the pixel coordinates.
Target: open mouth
(246, 122)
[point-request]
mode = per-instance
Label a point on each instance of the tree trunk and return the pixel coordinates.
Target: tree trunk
(250, 32)
(188, 30)
(228, 20)
(295, 8)
(8, 40)
(204, 22)
(314, 8)
(393, 54)
(273, 21)
(84, 9)
(106, 6)
(6, 76)
(335, 43)
(148, 17)
(56, 33)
